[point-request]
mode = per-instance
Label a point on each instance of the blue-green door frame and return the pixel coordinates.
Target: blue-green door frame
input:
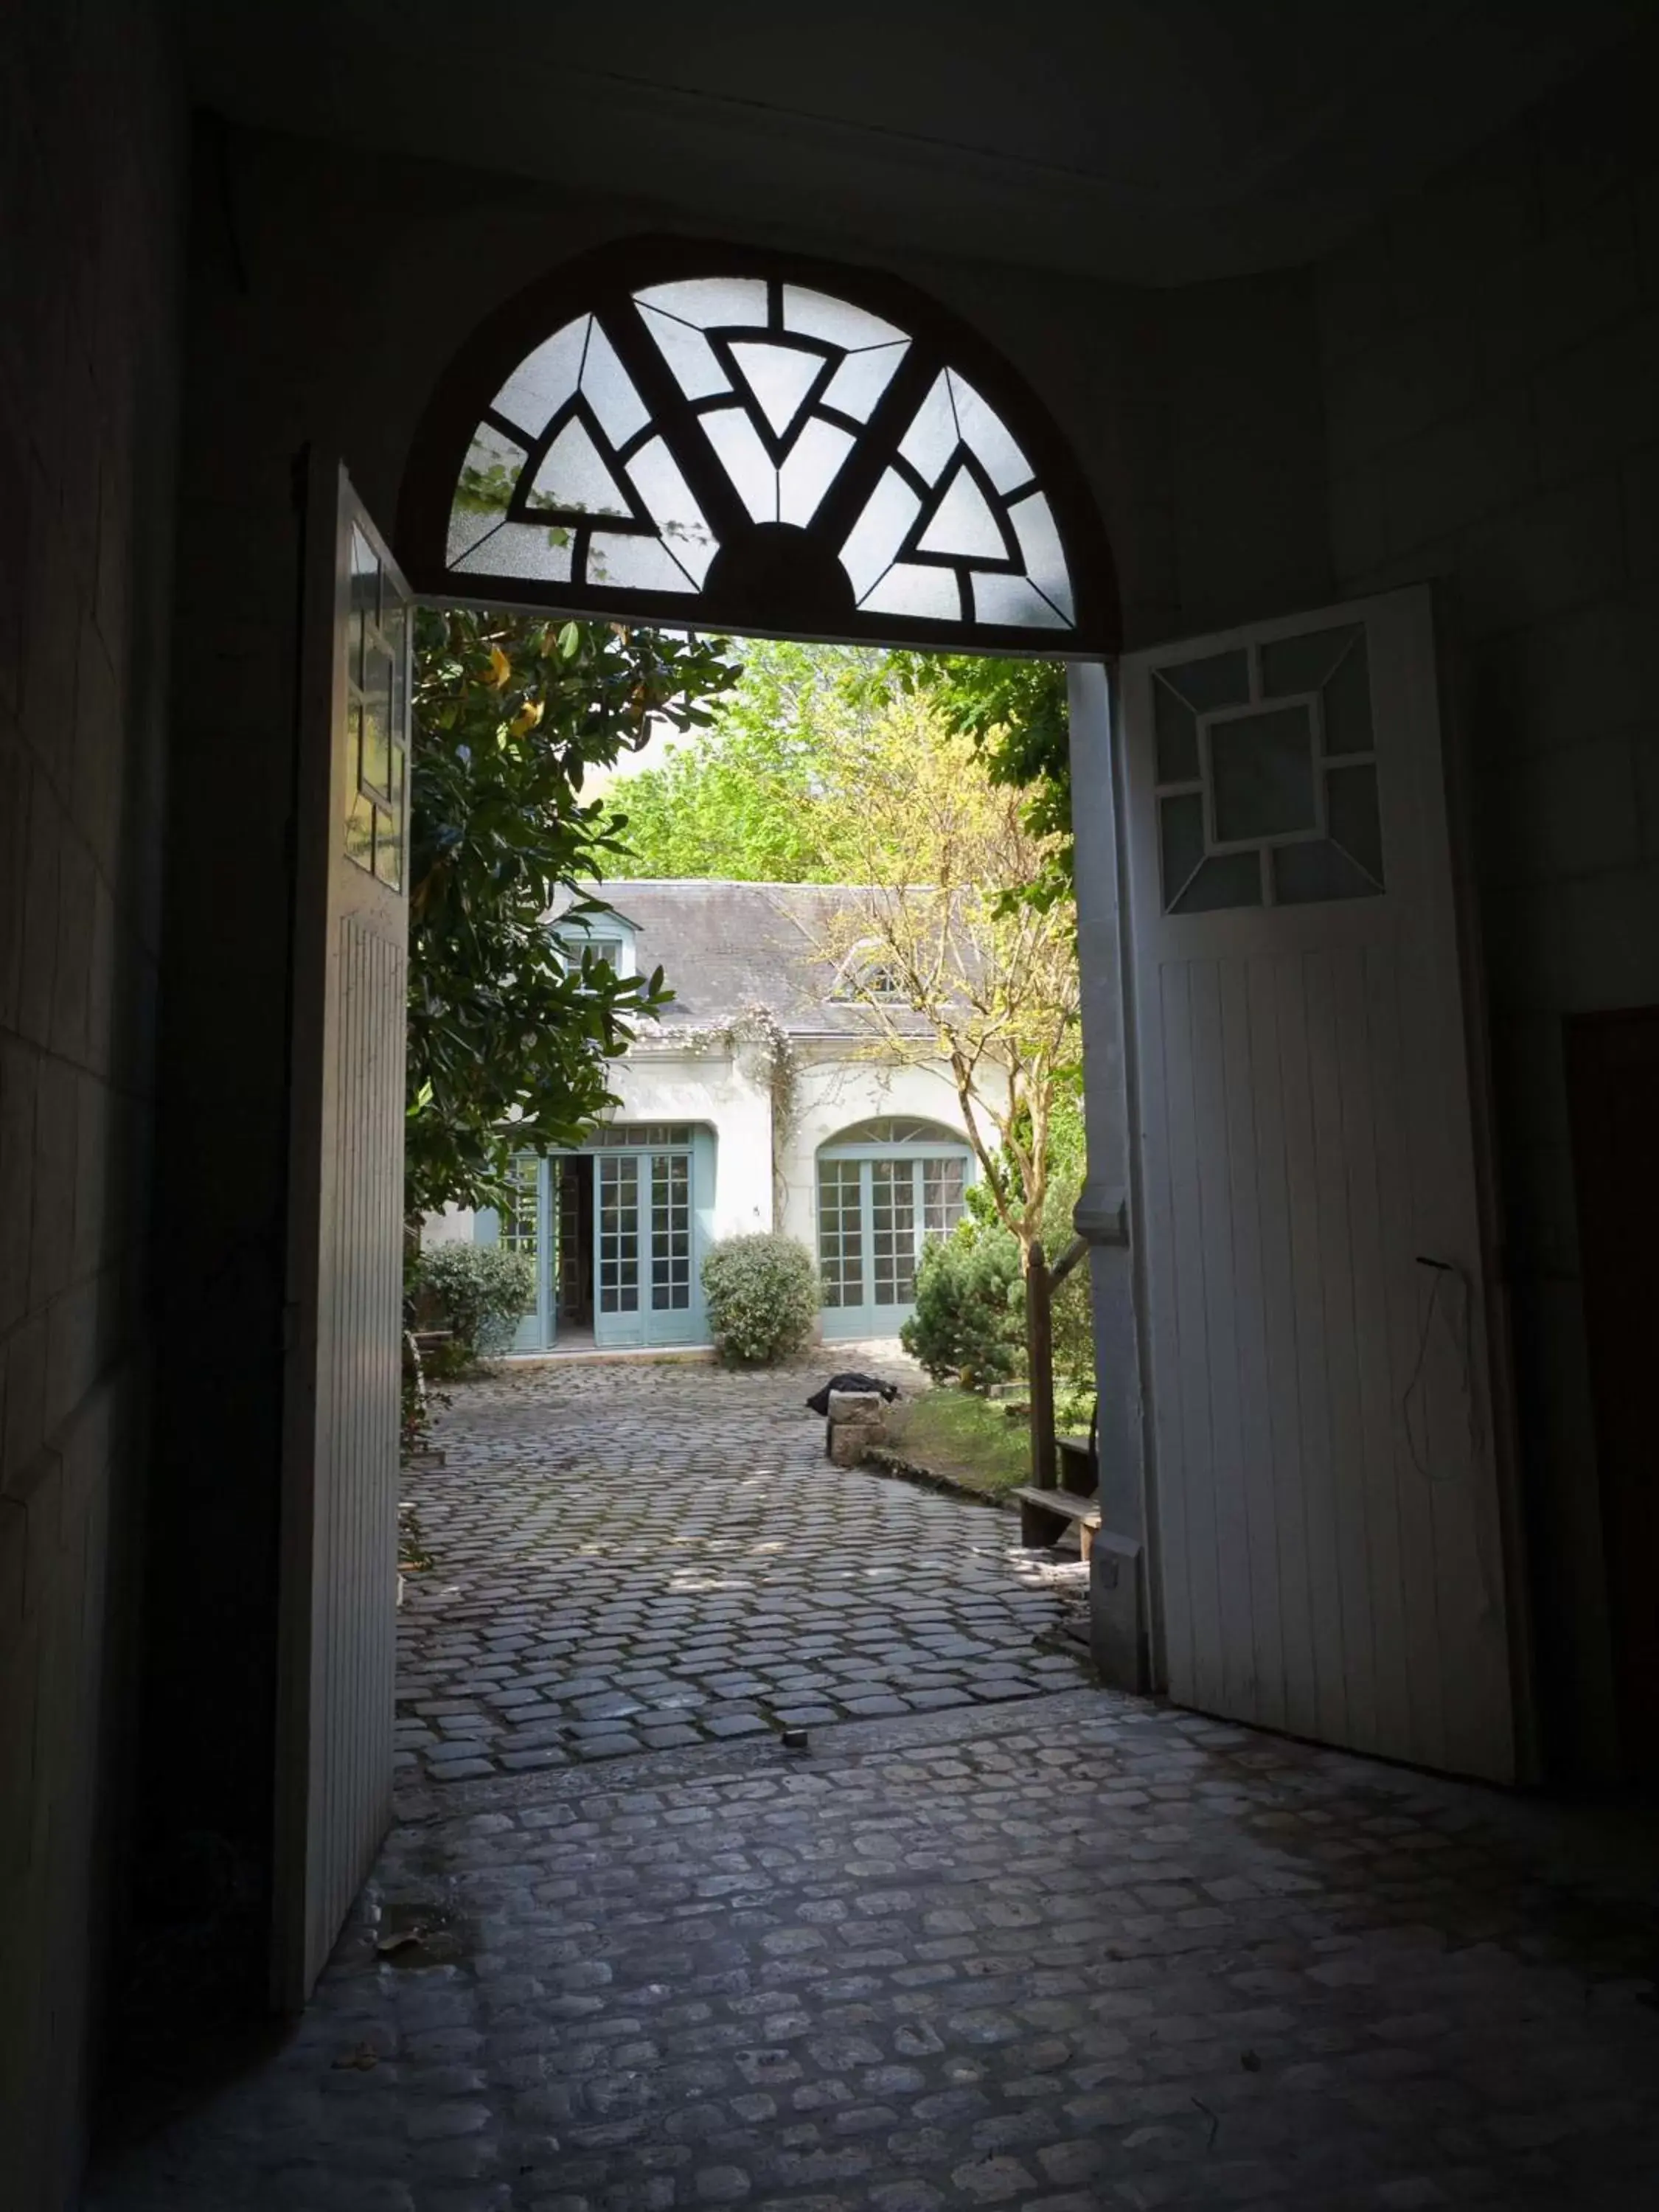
(866, 1318)
(653, 1318)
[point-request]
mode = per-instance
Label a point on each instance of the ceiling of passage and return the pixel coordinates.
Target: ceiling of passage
(1157, 141)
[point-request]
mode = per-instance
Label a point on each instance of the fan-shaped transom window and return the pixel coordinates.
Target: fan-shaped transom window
(749, 451)
(896, 1129)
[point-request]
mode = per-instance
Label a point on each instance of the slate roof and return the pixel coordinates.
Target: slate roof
(725, 947)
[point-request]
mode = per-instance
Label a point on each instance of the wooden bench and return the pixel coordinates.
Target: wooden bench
(1046, 1515)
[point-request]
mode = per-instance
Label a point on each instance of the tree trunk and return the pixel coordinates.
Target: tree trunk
(1040, 1368)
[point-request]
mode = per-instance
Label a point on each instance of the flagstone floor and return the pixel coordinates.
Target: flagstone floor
(1048, 1947)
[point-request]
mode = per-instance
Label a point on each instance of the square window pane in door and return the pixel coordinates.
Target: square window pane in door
(1180, 842)
(1176, 727)
(670, 1240)
(1348, 727)
(893, 1230)
(520, 1220)
(619, 1235)
(1351, 811)
(1262, 775)
(941, 1197)
(1230, 880)
(1220, 679)
(1289, 665)
(1315, 874)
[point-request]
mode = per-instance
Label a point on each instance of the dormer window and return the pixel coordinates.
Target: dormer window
(869, 975)
(604, 940)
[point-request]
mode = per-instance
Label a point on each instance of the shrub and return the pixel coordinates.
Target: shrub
(762, 1293)
(481, 1291)
(969, 1319)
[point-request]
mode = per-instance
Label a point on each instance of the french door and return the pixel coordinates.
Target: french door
(877, 1212)
(644, 1287)
(1332, 1524)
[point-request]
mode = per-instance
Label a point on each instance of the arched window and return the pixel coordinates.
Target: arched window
(887, 1188)
(722, 440)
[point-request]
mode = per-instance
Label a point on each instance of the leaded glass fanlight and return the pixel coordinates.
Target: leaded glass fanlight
(724, 440)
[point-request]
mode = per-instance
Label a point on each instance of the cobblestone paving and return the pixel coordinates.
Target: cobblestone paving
(1062, 1956)
(647, 1555)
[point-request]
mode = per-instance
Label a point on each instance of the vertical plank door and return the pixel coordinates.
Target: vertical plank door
(1332, 1529)
(345, 1233)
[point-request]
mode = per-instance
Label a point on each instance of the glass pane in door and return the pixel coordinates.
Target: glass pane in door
(840, 1242)
(670, 1232)
(893, 1230)
(520, 1229)
(941, 1197)
(619, 1235)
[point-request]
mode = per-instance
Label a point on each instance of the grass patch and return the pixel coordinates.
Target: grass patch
(952, 1432)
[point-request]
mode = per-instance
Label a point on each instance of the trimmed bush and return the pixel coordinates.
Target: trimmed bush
(482, 1292)
(969, 1320)
(763, 1292)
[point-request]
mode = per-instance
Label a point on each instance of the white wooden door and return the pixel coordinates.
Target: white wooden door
(340, 1404)
(1330, 1505)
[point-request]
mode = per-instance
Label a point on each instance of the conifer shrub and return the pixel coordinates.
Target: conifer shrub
(969, 1321)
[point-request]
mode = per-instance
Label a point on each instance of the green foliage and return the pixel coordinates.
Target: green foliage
(758, 799)
(969, 1320)
(1071, 1315)
(510, 712)
(762, 1293)
(770, 794)
(971, 1298)
(481, 1291)
(1015, 713)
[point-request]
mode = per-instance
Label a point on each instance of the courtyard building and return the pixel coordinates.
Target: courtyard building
(765, 1098)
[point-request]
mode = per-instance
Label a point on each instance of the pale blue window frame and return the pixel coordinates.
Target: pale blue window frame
(875, 1208)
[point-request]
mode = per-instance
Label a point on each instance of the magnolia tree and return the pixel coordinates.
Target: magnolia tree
(510, 1042)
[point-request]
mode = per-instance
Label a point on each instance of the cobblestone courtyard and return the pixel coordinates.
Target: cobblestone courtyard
(1049, 1948)
(645, 1556)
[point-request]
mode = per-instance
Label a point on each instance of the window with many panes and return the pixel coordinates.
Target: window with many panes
(619, 1235)
(886, 1190)
(671, 1231)
(841, 1223)
(739, 439)
(520, 1218)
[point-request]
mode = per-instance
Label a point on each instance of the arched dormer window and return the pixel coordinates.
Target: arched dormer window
(725, 439)
(868, 974)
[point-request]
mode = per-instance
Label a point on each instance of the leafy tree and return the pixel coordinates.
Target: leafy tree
(1015, 714)
(509, 1042)
(755, 800)
(939, 925)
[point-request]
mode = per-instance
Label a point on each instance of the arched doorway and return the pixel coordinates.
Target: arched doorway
(664, 432)
(886, 1190)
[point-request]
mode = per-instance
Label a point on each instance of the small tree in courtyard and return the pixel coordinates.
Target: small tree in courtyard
(938, 927)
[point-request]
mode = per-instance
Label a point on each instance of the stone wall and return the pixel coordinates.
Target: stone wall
(91, 190)
(1490, 375)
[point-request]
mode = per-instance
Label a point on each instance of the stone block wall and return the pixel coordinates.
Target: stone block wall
(90, 134)
(1490, 380)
